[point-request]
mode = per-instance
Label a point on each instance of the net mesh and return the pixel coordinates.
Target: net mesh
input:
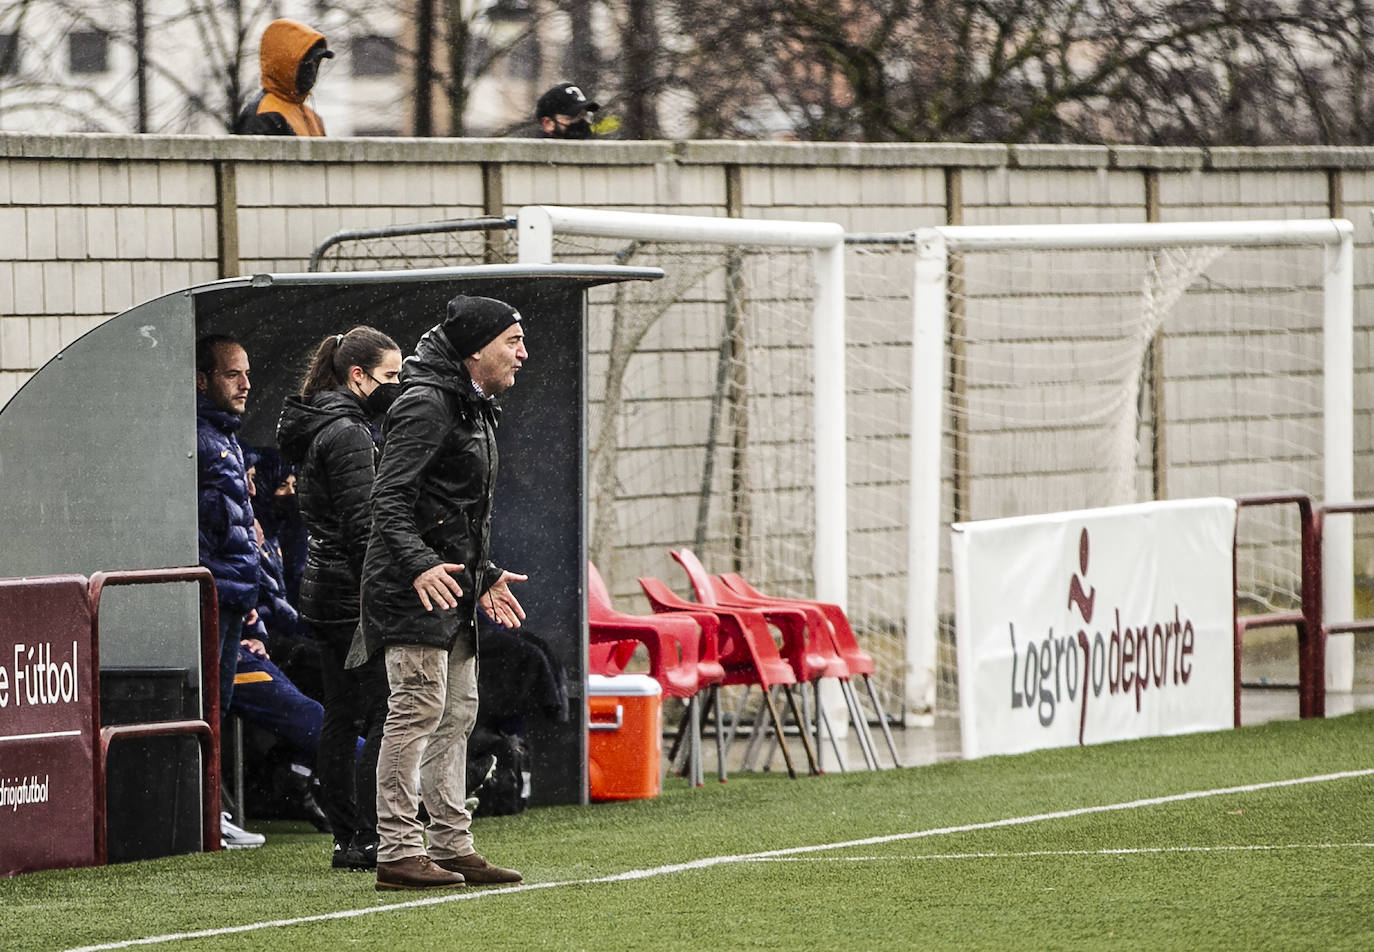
(437, 244)
(700, 412)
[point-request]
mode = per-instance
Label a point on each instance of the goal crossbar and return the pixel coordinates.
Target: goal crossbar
(1254, 234)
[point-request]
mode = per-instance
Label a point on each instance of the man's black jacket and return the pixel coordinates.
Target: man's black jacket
(431, 502)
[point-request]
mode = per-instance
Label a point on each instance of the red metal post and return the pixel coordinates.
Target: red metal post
(1342, 626)
(1307, 619)
(207, 729)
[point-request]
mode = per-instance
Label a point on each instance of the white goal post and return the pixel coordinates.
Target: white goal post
(537, 226)
(939, 258)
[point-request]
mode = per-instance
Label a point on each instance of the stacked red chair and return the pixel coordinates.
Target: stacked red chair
(750, 657)
(847, 643)
(807, 646)
(679, 652)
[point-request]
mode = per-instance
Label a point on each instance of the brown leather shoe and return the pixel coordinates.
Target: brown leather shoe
(415, 872)
(475, 869)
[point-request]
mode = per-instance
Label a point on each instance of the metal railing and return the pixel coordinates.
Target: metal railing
(205, 730)
(1307, 618)
(413, 230)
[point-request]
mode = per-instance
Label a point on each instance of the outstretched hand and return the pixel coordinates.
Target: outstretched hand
(437, 586)
(500, 605)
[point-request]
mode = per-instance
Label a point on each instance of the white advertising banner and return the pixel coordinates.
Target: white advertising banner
(1092, 626)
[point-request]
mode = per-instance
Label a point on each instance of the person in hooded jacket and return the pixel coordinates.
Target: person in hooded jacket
(326, 430)
(426, 573)
(289, 55)
(277, 506)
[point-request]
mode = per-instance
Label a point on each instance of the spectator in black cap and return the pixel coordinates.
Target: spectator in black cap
(562, 113)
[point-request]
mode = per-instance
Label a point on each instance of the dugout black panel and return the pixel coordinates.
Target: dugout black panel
(539, 523)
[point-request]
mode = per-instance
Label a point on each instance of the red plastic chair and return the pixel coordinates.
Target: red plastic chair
(748, 656)
(806, 645)
(673, 645)
(846, 642)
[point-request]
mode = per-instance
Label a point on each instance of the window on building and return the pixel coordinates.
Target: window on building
(373, 56)
(88, 52)
(9, 54)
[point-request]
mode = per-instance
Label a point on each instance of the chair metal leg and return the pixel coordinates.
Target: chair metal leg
(773, 739)
(694, 742)
(803, 730)
(777, 726)
(713, 705)
(823, 719)
(676, 756)
(737, 719)
(882, 721)
(860, 722)
(757, 733)
(812, 721)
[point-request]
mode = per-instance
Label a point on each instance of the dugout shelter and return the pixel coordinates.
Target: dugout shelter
(98, 457)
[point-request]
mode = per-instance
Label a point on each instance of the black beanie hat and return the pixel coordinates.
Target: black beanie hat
(474, 322)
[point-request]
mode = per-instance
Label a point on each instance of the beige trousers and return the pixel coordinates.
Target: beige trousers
(430, 713)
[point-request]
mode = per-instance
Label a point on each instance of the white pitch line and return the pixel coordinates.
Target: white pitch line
(710, 861)
(1030, 854)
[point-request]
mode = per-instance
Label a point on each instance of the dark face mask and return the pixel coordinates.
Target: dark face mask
(581, 129)
(286, 507)
(306, 74)
(381, 398)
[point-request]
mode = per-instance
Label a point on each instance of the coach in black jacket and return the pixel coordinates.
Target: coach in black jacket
(424, 577)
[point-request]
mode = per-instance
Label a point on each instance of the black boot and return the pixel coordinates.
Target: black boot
(344, 855)
(364, 853)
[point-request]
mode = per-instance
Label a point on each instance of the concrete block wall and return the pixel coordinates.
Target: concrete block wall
(82, 239)
(90, 225)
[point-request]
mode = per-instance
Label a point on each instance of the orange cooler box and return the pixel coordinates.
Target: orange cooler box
(625, 737)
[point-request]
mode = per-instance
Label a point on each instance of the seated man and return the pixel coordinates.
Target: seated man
(265, 698)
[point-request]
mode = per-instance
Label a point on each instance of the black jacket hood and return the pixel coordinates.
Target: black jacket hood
(436, 364)
(301, 422)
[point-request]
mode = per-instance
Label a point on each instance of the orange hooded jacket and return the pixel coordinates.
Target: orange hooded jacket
(280, 108)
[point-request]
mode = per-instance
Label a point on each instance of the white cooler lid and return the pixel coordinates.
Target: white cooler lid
(622, 685)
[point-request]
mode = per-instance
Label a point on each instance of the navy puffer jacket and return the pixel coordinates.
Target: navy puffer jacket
(228, 547)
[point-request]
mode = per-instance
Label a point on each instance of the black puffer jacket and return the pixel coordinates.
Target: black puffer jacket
(332, 446)
(431, 502)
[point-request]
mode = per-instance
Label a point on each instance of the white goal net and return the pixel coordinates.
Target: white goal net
(1081, 366)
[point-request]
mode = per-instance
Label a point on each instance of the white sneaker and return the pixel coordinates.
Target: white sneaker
(232, 837)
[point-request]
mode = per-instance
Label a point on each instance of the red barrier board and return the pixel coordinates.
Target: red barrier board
(47, 743)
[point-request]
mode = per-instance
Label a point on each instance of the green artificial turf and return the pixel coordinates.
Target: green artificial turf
(1286, 867)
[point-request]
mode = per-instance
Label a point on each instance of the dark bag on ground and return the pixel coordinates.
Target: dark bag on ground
(519, 679)
(498, 772)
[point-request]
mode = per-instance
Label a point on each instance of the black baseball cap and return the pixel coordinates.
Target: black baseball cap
(565, 99)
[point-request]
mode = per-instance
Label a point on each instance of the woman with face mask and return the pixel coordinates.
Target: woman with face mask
(329, 431)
